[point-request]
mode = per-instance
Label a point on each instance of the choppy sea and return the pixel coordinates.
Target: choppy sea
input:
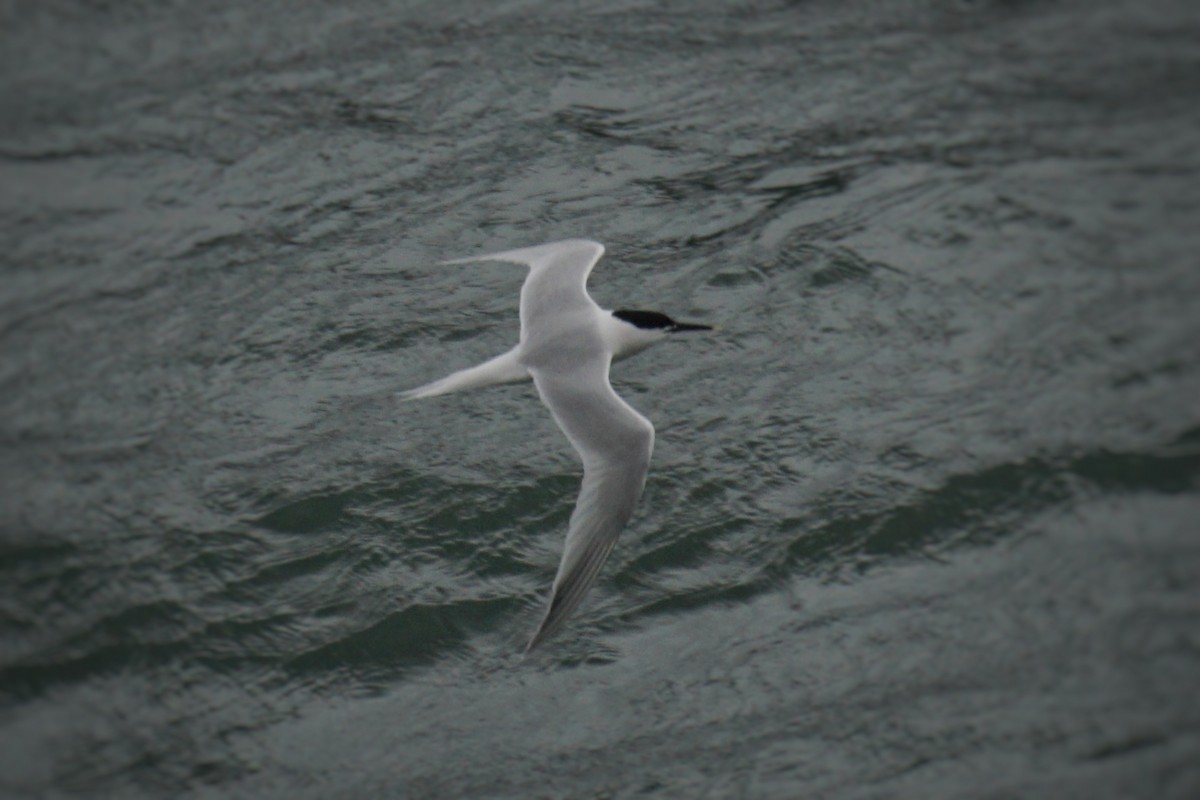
(923, 518)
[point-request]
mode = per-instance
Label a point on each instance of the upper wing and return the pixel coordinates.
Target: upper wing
(558, 274)
(615, 443)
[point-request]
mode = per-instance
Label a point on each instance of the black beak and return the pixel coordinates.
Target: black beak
(680, 327)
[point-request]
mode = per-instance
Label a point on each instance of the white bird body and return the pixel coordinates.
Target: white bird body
(566, 346)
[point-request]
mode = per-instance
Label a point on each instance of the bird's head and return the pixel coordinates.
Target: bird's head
(640, 329)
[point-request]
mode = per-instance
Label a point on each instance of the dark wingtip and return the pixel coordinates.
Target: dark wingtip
(550, 623)
(539, 636)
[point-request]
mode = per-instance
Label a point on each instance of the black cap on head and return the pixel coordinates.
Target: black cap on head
(654, 320)
(650, 320)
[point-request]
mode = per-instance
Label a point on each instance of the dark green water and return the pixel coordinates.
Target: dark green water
(922, 519)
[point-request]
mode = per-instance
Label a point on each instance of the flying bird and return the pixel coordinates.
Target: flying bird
(566, 346)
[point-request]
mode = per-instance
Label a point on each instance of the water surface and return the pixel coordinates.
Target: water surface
(921, 519)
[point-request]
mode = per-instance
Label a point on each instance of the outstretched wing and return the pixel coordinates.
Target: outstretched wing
(615, 443)
(555, 287)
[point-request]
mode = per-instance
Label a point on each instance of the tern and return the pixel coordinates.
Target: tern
(566, 346)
